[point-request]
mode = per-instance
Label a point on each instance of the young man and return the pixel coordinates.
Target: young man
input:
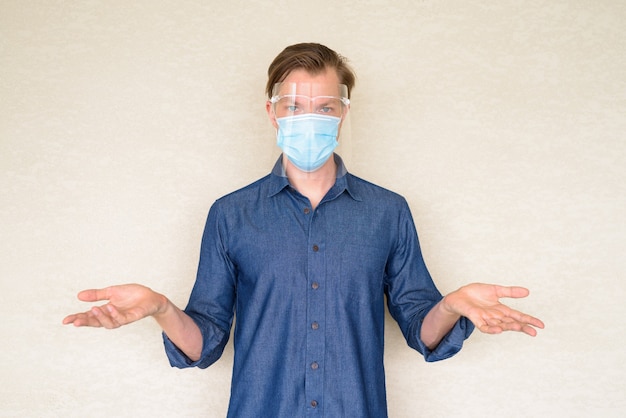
(305, 257)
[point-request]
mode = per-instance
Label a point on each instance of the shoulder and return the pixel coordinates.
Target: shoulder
(245, 195)
(251, 189)
(373, 193)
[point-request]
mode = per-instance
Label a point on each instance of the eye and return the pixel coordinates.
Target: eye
(328, 106)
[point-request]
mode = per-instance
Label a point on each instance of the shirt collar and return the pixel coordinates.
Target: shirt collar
(279, 181)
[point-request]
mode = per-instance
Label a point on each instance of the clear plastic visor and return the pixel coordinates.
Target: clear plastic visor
(292, 99)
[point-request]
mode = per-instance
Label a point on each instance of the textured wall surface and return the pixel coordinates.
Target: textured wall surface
(501, 122)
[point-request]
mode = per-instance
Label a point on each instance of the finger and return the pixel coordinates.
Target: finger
(511, 292)
(531, 320)
(102, 315)
(526, 319)
(527, 329)
(85, 319)
(489, 325)
(115, 316)
(490, 329)
(496, 325)
(511, 324)
(94, 295)
(536, 322)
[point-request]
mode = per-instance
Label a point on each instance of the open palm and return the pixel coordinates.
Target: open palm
(480, 303)
(126, 303)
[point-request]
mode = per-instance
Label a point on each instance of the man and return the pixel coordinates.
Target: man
(305, 257)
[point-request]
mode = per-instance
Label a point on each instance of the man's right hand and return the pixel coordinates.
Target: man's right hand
(126, 303)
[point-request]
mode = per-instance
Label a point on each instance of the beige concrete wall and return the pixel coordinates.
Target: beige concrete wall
(502, 122)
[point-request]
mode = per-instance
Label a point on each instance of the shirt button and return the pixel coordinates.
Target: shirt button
(316, 248)
(315, 325)
(314, 404)
(315, 366)
(307, 211)
(315, 285)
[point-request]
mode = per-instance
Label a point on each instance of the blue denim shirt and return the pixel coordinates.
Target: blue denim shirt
(308, 288)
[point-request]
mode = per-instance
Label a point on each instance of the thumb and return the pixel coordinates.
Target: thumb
(512, 292)
(93, 295)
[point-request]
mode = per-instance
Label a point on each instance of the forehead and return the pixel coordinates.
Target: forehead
(325, 83)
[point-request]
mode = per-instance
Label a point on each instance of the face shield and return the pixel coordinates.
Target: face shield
(312, 122)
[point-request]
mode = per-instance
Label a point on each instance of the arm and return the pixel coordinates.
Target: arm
(132, 302)
(480, 304)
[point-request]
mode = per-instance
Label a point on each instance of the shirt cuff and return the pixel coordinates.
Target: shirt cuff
(175, 355)
(450, 344)
(214, 340)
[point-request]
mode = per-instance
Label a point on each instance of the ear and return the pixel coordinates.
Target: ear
(270, 114)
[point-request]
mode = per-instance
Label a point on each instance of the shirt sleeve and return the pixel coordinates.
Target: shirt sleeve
(211, 303)
(411, 294)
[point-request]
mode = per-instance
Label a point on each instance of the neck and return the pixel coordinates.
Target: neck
(313, 185)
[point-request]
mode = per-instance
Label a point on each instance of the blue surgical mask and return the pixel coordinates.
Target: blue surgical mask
(308, 140)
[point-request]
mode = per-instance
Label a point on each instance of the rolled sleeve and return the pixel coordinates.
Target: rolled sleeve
(214, 341)
(448, 346)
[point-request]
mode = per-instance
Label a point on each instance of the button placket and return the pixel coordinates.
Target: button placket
(315, 343)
